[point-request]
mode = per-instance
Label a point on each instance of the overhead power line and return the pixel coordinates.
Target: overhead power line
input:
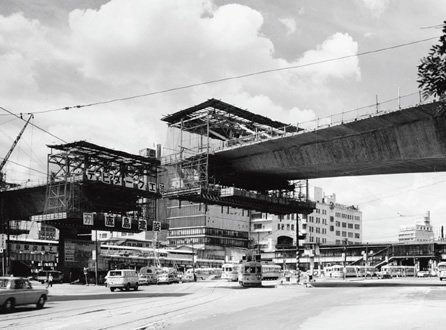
(27, 167)
(234, 77)
(29, 113)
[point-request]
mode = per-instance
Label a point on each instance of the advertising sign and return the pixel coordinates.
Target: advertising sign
(77, 252)
(109, 220)
(88, 219)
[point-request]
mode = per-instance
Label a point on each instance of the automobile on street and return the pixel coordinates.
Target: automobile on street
(17, 291)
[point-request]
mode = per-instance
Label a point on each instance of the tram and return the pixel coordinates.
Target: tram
(271, 272)
(365, 271)
(337, 271)
(250, 274)
(230, 272)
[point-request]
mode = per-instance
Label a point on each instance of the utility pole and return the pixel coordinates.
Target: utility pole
(345, 257)
(258, 243)
(297, 250)
(96, 257)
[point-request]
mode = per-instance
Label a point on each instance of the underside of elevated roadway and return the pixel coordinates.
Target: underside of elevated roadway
(405, 141)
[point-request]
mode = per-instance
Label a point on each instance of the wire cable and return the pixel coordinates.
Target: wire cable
(27, 167)
(29, 113)
(234, 77)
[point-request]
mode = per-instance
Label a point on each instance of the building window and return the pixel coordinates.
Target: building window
(344, 234)
(357, 226)
(338, 233)
(344, 225)
(257, 226)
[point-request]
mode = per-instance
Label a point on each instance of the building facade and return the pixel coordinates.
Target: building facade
(331, 222)
(215, 232)
(421, 231)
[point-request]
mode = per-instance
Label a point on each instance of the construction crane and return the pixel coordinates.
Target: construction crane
(12, 149)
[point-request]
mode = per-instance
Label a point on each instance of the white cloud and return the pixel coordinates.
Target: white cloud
(376, 7)
(133, 47)
(290, 25)
(337, 46)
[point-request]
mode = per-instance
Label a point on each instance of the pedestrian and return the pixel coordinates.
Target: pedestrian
(50, 281)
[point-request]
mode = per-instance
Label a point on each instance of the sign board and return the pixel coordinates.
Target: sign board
(88, 219)
(77, 252)
(2, 242)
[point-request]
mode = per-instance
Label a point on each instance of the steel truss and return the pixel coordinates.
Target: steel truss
(191, 171)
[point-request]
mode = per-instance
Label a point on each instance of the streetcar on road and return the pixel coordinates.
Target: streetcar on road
(271, 272)
(230, 272)
(250, 274)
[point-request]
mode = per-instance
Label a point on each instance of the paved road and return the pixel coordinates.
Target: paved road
(417, 303)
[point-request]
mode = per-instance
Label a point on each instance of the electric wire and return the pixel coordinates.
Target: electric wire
(30, 123)
(168, 90)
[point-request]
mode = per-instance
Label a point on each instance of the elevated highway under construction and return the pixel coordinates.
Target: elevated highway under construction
(228, 156)
(247, 156)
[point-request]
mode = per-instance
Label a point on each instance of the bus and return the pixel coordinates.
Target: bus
(399, 271)
(250, 273)
(202, 274)
(271, 272)
(441, 270)
(230, 272)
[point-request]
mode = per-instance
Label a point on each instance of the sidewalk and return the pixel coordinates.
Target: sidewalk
(71, 289)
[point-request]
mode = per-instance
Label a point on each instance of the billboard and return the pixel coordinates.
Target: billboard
(77, 252)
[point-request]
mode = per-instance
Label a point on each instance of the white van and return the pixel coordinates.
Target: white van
(441, 267)
(122, 279)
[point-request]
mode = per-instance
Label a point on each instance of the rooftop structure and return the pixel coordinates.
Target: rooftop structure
(421, 231)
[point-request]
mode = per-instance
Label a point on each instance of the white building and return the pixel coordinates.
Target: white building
(330, 223)
(421, 231)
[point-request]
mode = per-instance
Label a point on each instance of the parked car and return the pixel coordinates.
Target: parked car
(168, 278)
(146, 279)
(17, 291)
(423, 273)
(42, 276)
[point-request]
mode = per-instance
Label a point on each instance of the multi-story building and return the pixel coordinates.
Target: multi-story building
(215, 232)
(332, 223)
(421, 231)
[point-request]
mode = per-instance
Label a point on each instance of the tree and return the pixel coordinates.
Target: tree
(432, 70)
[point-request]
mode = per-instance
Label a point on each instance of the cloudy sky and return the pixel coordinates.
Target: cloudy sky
(56, 54)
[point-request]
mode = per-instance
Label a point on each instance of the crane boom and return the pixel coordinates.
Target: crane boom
(14, 144)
